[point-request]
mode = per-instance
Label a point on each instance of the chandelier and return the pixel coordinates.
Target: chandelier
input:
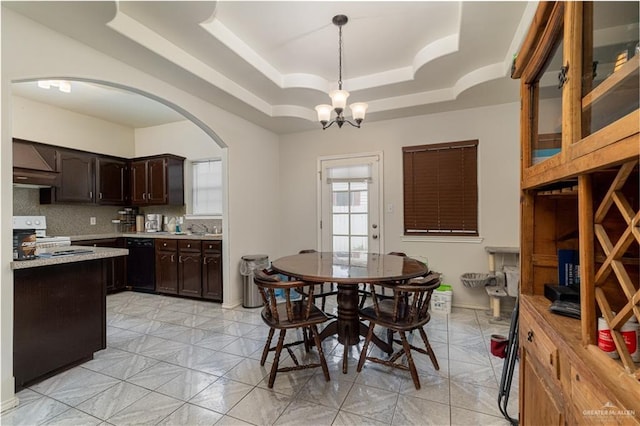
(339, 97)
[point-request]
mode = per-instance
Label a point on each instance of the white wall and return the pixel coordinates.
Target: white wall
(39, 122)
(496, 128)
(31, 51)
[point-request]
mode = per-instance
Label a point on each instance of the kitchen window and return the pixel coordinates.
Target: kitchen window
(207, 187)
(440, 189)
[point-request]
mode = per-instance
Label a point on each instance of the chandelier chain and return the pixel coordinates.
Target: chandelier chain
(340, 57)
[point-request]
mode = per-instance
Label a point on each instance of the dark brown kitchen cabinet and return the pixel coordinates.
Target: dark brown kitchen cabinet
(88, 178)
(167, 266)
(189, 268)
(212, 270)
(112, 181)
(59, 318)
(116, 267)
(76, 180)
(157, 180)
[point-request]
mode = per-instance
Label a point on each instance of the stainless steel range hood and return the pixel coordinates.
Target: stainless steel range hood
(30, 165)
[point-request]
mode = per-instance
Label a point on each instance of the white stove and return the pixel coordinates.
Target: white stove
(39, 225)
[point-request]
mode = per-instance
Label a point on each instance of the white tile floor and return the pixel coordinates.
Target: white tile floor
(173, 361)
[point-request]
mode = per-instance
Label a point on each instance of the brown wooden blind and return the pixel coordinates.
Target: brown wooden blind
(441, 189)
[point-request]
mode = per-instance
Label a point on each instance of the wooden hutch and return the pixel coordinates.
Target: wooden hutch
(580, 145)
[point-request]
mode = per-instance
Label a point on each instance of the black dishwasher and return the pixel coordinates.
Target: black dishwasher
(141, 271)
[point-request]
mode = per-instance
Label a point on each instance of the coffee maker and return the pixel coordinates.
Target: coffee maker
(153, 223)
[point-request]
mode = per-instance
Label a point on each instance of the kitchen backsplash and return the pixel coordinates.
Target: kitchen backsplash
(66, 219)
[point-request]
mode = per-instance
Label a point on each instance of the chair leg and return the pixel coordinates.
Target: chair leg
(362, 300)
(412, 366)
(429, 349)
(267, 346)
(276, 358)
(390, 337)
(363, 354)
(323, 361)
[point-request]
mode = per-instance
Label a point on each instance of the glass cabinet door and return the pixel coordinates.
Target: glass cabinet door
(610, 63)
(546, 140)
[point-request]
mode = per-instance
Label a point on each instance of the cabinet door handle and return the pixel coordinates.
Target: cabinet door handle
(530, 336)
(90, 194)
(172, 258)
(100, 195)
(204, 260)
(180, 259)
(144, 195)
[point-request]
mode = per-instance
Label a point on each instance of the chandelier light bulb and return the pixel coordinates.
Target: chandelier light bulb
(339, 97)
(324, 112)
(358, 110)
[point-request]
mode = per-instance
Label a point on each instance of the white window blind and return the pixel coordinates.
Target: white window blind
(207, 187)
(352, 173)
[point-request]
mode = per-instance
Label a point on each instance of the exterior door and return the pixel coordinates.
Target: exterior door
(350, 202)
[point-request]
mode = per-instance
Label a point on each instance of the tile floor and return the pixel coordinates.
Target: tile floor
(173, 361)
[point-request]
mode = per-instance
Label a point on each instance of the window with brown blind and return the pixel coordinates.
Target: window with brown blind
(441, 189)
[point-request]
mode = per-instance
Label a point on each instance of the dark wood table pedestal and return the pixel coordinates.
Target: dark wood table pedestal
(348, 326)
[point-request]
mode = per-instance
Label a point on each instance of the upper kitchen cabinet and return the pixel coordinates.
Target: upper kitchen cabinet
(112, 181)
(88, 178)
(157, 180)
(77, 183)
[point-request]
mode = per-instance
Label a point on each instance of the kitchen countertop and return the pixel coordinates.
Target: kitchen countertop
(185, 236)
(95, 253)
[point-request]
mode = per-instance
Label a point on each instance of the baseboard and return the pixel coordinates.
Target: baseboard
(8, 404)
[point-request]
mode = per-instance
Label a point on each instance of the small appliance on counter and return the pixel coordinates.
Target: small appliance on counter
(30, 237)
(153, 223)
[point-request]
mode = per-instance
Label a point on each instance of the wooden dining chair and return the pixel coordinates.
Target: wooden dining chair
(364, 293)
(323, 290)
(408, 310)
(289, 305)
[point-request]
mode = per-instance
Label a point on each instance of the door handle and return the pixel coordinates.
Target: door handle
(374, 226)
(374, 236)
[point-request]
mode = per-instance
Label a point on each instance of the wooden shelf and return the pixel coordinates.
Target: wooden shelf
(614, 81)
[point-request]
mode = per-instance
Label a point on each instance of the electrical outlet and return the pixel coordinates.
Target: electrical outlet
(92, 221)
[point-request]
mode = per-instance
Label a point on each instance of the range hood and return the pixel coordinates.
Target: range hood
(30, 165)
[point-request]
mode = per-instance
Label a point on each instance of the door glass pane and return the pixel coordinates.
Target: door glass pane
(359, 244)
(340, 201)
(359, 224)
(359, 202)
(340, 243)
(341, 224)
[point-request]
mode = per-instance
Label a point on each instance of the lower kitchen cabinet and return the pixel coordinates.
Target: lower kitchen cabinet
(116, 268)
(189, 268)
(167, 266)
(212, 270)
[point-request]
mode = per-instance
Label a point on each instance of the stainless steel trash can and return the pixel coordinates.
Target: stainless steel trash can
(248, 264)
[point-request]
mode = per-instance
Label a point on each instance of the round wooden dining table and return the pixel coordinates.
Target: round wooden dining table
(348, 271)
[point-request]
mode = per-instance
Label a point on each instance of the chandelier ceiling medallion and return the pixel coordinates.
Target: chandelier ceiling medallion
(339, 97)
